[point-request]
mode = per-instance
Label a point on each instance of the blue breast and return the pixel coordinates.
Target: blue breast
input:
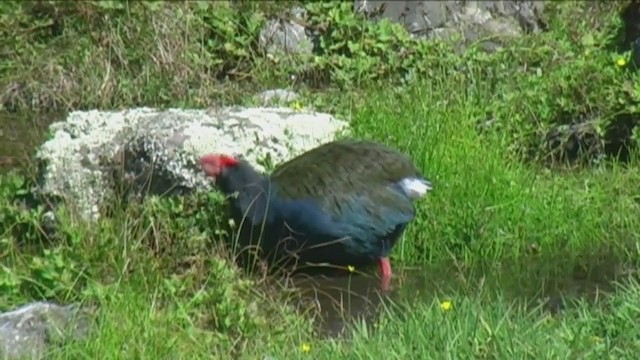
(359, 232)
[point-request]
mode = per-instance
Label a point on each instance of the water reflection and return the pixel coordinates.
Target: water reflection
(343, 299)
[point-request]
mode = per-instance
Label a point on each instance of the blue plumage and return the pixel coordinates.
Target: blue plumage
(344, 203)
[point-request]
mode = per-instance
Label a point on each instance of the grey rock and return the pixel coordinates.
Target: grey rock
(469, 20)
(280, 36)
(155, 152)
(418, 17)
(275, 96)
(452, 20)
(27, 332)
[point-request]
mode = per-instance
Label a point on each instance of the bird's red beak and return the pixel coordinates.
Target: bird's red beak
(211, 165)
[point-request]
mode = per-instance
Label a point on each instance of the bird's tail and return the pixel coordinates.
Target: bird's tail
(415, 187)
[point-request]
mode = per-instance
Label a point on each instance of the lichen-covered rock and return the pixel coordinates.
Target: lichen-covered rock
(25, 333)
(156, 151)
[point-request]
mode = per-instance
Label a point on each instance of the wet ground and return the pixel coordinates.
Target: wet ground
(553, 286)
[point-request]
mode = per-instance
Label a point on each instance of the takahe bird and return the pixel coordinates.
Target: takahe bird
(345, 202)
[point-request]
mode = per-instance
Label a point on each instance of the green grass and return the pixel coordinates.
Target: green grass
(485, 327)
(487, 207)
(479, 326)
(161, 283)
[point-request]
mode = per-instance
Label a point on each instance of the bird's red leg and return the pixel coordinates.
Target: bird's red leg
(385, 273)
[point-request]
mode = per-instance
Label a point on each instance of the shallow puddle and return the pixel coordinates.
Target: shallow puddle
(343, 299)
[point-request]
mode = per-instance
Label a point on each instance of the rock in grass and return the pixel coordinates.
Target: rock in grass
(280, 36)
(489, 23)
(472, 20)
(26, 333)
(153, 151)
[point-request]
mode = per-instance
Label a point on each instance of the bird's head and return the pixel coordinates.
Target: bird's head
(215, 164)
(231, 174)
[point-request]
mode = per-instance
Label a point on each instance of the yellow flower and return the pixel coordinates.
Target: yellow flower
(351, 268)
(621, 62)
(446, 305)
(305, 348)
(596, 339)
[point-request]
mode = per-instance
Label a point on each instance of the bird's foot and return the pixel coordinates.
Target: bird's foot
(385, 274)
(385, 284)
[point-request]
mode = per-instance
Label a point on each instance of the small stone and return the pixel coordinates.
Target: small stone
(286, 36)
(273, 96)
(27, 332)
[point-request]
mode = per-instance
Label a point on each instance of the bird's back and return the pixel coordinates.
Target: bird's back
(347, 188)
(342, 167)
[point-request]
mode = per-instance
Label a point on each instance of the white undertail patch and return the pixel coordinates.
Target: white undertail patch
(415, 187)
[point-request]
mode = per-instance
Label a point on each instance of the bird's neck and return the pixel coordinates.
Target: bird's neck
(239, 178)
(252, 190)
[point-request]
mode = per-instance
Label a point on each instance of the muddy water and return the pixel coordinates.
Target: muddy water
(548, 284)
(20, 134)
